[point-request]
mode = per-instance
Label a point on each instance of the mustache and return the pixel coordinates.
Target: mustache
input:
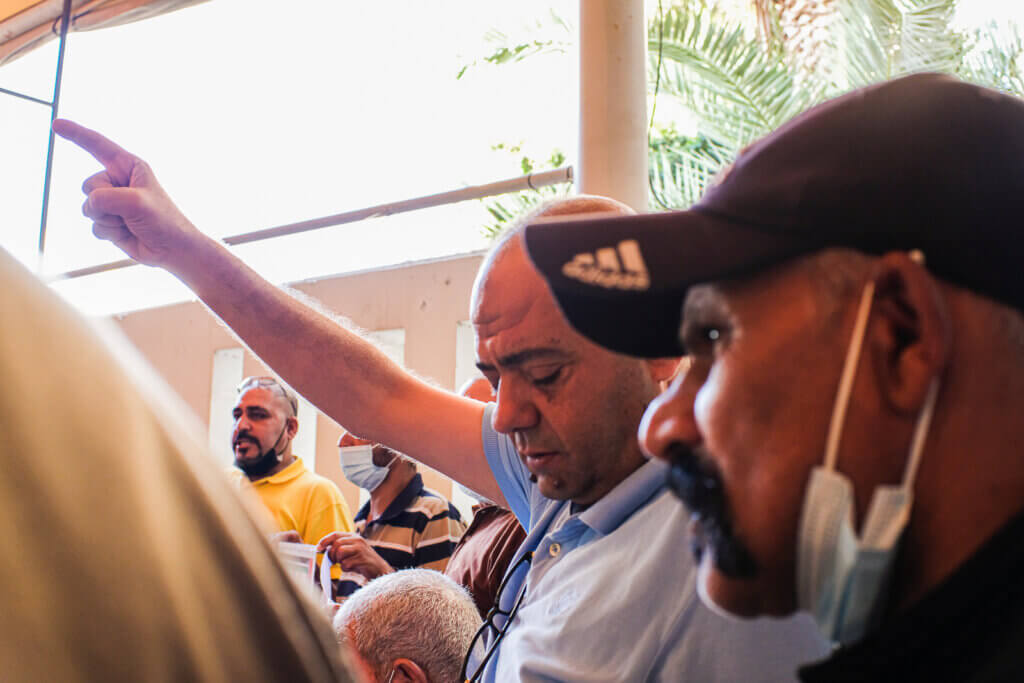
(697, 481)
(244, 436)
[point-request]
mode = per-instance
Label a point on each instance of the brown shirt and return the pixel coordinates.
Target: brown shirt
(482, 556)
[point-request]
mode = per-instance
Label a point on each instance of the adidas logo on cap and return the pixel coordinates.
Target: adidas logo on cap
(619, 267)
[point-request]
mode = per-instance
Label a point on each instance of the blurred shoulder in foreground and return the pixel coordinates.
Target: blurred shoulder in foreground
(128, 556)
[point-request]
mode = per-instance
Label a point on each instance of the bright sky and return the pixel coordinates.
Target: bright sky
(253, 118)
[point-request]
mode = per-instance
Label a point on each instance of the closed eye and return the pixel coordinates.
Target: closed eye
(550, 378)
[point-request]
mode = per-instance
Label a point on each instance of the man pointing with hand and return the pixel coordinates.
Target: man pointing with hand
(603, 586)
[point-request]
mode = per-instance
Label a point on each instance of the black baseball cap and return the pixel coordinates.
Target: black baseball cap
(923, 162)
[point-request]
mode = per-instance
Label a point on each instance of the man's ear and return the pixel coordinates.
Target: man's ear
(663, 369)
(408, 670)
(910, 335)
(292, 425)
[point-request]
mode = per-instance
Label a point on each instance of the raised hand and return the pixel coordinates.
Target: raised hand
(126, 203)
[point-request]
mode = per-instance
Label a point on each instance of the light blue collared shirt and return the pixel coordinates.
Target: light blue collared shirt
(611, 594)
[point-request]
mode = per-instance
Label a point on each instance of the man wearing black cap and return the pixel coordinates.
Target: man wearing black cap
(847, 434)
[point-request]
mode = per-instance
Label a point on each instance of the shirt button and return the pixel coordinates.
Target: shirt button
(555, 549)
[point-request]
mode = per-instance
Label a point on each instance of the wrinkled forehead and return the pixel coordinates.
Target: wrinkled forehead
(509, 291)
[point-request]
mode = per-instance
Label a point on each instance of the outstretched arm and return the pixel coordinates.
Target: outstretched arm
(338, 371)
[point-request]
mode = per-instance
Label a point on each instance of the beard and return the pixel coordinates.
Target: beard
(697, 481)
(259, 466)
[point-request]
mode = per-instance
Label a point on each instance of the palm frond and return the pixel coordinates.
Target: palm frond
(877, 40)
(737, 87)
(505, 210)
(550, 34)
(681, 168)
(995, 58)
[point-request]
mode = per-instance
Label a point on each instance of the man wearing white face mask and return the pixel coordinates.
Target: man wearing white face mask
(403, 525)
(846, 282)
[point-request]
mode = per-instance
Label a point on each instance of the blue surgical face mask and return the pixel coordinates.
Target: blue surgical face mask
(357, 465)
(842, 579)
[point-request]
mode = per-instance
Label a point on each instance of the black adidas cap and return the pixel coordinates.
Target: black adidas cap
(924, 162)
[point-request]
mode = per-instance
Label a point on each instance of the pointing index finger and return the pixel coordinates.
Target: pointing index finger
(103, 149)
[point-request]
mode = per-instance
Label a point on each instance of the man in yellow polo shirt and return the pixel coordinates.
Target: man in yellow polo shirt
(298, 500)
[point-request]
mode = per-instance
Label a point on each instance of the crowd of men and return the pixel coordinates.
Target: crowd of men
(849, 305)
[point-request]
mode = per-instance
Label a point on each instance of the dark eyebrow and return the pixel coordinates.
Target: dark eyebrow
(250, 409)
(520, 357)
(701, 300)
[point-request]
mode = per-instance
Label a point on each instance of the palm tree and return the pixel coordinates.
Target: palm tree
(740, 75)
(740, 83)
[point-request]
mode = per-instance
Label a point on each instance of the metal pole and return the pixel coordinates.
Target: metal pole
(25, 97)
(613, 101)
(65, 22)
(531, 181)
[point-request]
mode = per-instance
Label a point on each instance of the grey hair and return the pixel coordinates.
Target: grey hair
(839, 273)
(418, 614)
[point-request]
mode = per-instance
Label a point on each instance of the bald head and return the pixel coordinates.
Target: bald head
(508, 246)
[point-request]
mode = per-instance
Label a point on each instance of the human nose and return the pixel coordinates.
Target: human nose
(669, 419)
(515, 410)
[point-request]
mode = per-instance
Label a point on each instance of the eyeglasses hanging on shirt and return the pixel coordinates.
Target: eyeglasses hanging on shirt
(492, 614)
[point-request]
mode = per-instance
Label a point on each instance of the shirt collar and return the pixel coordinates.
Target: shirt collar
(631, 493)
(403, 500)
(293, 470)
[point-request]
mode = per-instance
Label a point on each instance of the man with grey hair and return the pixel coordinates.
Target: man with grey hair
(410, 625)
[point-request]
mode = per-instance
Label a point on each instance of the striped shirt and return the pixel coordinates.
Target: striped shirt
(419, 529)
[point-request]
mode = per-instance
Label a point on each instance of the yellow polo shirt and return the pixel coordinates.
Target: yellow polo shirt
(302, 500)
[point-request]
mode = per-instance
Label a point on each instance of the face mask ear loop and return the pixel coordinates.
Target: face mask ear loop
(835, 427)
(924, 422)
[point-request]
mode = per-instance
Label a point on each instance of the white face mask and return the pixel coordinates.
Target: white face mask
(357, 465)
(841, 580)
